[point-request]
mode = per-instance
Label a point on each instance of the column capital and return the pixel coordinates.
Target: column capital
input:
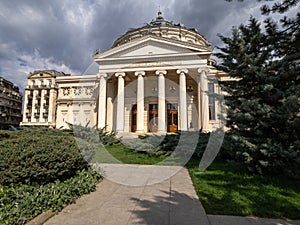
(120, 74)
(138, 73)
(180, 71)
(101, 75)
(161, 72)
(203, 69)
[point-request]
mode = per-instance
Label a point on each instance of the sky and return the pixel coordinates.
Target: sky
(64, 34)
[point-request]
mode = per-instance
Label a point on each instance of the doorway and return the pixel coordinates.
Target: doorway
(133, 118)
(172, 118)
(153, 117)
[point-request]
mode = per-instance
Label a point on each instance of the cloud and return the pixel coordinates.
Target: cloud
(24, 64)
(63, 35)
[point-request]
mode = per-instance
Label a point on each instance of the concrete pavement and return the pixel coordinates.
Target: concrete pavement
(154, 199)
(172, 201)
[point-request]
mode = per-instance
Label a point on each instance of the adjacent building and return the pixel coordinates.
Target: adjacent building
(10, 105)
(156, 78)
(40, 98)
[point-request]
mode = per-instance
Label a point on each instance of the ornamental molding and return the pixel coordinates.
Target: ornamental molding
(77, 91)
(102, 75)
(161, 72)
(140, 73)
(120, 74)
(184, 71)
(203, 70)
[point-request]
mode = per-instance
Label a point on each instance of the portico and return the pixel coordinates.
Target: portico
(155, 100)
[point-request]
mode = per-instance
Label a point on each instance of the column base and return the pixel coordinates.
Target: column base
(140, 132)
(161, 132)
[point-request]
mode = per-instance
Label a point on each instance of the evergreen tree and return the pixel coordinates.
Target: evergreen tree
(263, 98)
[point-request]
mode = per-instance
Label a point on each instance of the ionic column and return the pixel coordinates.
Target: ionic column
(102, 101)
(161, 100)
(42, 119)
(191, 114)
(52, 105)
(140, 101)
(25, 106)
(204, 115)
(109, 106)
(182, 97)
(120, 103)
(35, 93)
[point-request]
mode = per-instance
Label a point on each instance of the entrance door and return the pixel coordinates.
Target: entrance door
(153, 117)
(172, 118)
(133, 118)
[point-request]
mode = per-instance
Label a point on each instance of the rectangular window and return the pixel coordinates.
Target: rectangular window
(153, 107)
(172, 106)
(211, 101)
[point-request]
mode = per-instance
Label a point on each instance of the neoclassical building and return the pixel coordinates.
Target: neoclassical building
(156, 78)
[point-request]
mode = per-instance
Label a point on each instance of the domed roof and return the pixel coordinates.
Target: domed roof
(166, 29)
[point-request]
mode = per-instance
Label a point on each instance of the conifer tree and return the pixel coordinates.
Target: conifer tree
(263, 98)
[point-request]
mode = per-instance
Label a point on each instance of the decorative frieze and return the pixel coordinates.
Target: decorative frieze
(77, 91)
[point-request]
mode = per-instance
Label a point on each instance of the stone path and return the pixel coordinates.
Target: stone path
(148, 195)
(172, 201)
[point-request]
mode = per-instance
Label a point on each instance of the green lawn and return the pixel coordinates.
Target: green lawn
(110, 154)
(226, 189)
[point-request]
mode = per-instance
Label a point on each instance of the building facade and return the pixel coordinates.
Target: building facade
(40, 98)
(10, 105)
(157, 78)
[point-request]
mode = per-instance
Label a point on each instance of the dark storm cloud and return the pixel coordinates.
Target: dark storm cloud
(114, 18)
(63, 35)
(212, 17)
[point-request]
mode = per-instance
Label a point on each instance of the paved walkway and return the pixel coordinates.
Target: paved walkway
(154, 199)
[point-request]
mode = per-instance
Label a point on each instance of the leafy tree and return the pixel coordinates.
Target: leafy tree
(264, 96)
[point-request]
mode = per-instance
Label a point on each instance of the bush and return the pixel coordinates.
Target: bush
(267, 158)
(39, 155)
(42, 169)
(93, 135)
(4, 135)
(170, 142)
(22, 202)
(201, 145)
(154, 145)
(108, 138)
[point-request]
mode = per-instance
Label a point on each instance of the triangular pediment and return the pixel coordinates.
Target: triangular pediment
(40, 74)
(46, 74)
(150, 46)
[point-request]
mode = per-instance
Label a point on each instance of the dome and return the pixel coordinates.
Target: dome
(166, 29)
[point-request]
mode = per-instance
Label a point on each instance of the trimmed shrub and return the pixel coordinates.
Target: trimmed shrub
(39, 155)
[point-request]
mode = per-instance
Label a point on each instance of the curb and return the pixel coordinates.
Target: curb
(41, 219)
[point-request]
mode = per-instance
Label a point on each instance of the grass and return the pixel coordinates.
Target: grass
(120, 153)
(228, 190)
